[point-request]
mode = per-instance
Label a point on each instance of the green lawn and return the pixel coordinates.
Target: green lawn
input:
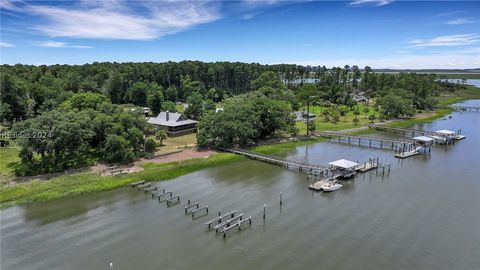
(343, 123)
(174, 144)
(9, 159)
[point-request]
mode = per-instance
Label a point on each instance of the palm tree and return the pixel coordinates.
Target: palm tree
(356, 75)
(366, 110)
(345, 74)
(161, 135)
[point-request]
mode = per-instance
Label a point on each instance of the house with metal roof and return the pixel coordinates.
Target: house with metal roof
(174, 124)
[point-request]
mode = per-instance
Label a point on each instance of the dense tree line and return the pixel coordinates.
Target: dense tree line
(83, 128)
(80, 106)
(407, 91)
(250, 117)
(28, 90)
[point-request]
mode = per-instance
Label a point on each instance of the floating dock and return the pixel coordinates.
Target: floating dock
(407, 154)
(317, 186)
(365, 167)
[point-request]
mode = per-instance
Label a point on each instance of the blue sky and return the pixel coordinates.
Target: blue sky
(378, 33)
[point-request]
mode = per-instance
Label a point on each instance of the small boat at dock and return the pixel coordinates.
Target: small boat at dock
(331, 186)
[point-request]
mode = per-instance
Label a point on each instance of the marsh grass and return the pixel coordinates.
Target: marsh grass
(82, 183)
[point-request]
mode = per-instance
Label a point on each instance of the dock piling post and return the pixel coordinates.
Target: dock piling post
(188, 202)
(281, 199)
(219, 212)
(264, 211)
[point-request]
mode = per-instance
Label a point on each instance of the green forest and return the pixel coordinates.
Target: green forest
(71, 116)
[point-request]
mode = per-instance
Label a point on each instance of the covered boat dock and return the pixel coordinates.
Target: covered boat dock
(343, 167)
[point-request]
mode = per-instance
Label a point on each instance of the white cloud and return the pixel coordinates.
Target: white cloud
(6, 45)
(459, 21)
(261, 2)
(13, 5)
(450, 13)
(58, 44)
(119, 19)
(435, 61)
(377, 3)
(452, 40)
(250, 16)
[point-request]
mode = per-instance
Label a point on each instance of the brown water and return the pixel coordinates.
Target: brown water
(424, 215)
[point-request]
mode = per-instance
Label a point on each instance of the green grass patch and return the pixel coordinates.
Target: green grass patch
(82, 183)
(180, 108)
(9, 159)
(345, 122)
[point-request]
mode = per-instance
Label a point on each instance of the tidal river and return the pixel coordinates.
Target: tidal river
(424, 215)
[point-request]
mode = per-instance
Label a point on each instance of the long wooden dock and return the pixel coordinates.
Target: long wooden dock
(315, 169)
(466, 108)
(404, 131)
(370, 141)
(417, 132)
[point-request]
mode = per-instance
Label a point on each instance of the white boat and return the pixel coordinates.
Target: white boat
(331, 186)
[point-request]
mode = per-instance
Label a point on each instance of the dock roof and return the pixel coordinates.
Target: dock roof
(445, 132)
(343, 163)
(422, 139)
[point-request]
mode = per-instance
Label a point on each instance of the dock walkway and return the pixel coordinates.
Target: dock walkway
(466, 108)
(438, 136)
(370, 141)
(315, 169)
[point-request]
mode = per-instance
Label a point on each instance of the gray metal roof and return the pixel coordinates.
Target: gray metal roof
(174, 119)
(343, 163)
(422, 139)
(445, 132)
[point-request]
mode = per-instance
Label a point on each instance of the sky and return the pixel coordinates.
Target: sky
(377, 33)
